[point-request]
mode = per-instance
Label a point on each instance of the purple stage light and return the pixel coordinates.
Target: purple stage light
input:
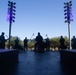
(71, 15)
(8, 15)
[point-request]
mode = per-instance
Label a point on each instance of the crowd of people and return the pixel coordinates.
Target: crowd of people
(62, 43)
(40, 43)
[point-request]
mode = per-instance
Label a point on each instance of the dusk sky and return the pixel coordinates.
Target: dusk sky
(33, 16)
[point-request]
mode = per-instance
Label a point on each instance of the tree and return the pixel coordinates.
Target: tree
(12, 41)
(54, 42)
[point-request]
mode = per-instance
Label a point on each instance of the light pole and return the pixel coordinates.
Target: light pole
(68, 17)
(11, 16)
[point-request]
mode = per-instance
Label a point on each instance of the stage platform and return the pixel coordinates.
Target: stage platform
(8, 56)
(34, 63)
(68, 57)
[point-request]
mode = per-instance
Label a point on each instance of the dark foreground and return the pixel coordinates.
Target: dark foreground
(33, 63)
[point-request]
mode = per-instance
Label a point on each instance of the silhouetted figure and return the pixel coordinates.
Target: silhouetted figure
(2, 41)
(39, 40)
(47, 43)
(73, 42)
(62, 40)
(16, 43)
(25, 43)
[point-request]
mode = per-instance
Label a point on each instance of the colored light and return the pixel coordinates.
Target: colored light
(8, 15)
